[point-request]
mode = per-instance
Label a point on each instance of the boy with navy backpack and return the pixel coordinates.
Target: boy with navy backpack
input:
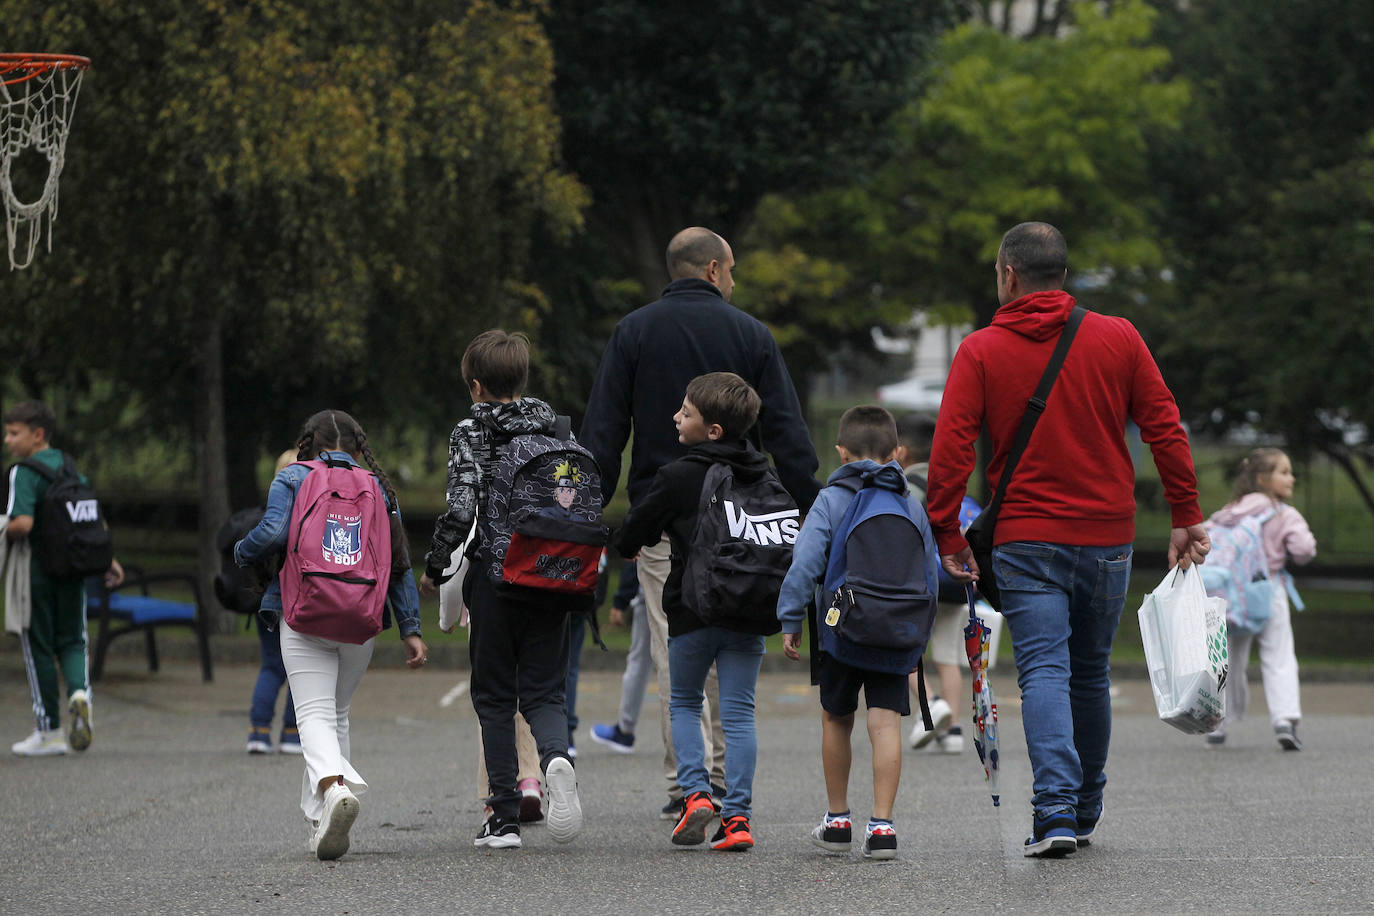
(731, 526)
(867, 543)
(535, 495)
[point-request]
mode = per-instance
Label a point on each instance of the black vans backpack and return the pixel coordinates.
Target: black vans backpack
(541, 526)
(75, 541)
(240, 588)
(740, 551)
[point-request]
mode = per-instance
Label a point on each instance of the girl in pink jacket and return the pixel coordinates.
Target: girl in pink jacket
(1264, 484)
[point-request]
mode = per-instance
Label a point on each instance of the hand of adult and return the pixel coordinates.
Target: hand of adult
(961, 566)
(617, 617)
(1188, 546)
(417, 653)
(427, 586)
(791, 644)
(114, 575)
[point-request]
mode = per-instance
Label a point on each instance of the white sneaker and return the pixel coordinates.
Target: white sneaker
(940, 715)
(565, 808)
(949, 742)
(330, 837)
(48, 743)
(79, 719)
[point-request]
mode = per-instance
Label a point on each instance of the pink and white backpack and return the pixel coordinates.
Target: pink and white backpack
(338, 554)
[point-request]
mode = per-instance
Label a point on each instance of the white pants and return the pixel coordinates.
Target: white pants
(1278, 667)
(654, 565)
(323, 675)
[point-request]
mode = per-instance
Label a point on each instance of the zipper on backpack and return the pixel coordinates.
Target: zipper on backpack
(350, 580)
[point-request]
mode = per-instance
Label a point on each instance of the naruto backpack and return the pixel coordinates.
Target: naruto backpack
(741, 549)
(541, 526)
(1238, 571)
(338, 554)
(874, 602)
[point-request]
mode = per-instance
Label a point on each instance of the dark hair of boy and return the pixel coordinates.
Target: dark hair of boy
(33, 414)
(500, 361)
(334, 430)
(916, 431)
(868, 432)
(725, 399)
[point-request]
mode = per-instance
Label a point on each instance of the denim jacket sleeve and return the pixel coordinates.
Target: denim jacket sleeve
(809, 557)
(404, 597)
(269, 536)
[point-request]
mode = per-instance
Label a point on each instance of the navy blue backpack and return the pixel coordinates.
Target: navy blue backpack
(879, 612)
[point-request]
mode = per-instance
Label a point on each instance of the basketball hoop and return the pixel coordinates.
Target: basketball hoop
(37, 99)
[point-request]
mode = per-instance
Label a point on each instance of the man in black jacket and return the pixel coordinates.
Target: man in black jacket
(652, 354)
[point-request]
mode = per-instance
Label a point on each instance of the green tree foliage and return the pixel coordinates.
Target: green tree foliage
(1051, 128)
(677, 115)
(1270, 214)
(279, 205)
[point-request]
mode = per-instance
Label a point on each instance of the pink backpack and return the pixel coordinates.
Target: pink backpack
(338, 554)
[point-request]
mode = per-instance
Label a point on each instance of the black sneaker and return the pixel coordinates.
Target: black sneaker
(1287, 733)
(880, 843)
(834, 835)
(499, 833)
(672, 811)
(717, 796)
(1053, 836)
(1087, 829)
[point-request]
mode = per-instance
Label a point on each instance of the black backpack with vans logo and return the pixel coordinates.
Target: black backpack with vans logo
(740, 551)
(74, 541)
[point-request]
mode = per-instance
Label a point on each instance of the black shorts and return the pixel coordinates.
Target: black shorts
(840, 685)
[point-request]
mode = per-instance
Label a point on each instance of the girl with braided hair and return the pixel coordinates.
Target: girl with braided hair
(324, 672)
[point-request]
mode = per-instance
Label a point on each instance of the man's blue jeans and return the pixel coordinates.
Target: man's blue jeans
(1062, 605)
(737, 657)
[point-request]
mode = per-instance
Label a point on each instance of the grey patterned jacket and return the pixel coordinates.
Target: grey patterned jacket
(473, 453)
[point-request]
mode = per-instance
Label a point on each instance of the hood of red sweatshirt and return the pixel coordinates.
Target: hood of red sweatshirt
(1038, 316)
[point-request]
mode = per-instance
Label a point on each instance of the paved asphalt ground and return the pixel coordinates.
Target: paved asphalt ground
(166, 813)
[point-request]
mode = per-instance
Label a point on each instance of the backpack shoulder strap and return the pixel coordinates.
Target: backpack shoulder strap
(33, 464)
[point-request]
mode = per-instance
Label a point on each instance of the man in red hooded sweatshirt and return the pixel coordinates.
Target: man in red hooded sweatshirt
(1062, 553)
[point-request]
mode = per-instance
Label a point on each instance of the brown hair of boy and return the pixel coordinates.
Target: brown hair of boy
(868, 432)
(34, 415)
(725, 399)
(500, 361)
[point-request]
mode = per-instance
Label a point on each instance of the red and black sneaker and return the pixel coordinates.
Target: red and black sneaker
(696, 814)
(733, 835)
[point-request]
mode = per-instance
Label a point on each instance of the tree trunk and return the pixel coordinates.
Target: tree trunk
(211, 463)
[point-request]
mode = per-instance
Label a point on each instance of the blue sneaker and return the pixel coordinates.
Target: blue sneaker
(1053, 837)
(613, 738)
(1087, 829)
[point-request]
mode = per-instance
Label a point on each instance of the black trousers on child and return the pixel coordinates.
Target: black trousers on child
(518, 651)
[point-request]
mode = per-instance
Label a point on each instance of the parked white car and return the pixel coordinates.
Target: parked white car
(922, 394)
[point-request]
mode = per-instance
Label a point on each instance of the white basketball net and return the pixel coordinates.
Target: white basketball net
(34, 115)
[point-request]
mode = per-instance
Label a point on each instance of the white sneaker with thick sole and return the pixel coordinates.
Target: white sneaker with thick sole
(330, 838)
(48, 743)
(564, 819)
(948, 743)
(940, 715)
(79, 720)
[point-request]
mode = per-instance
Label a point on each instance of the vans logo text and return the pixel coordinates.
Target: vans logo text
(87, 510)
(773, 528)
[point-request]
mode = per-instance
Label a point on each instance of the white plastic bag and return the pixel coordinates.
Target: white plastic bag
(1184, 634)
(452, 610)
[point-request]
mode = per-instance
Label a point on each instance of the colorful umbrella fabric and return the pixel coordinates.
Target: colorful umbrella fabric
(976, 636)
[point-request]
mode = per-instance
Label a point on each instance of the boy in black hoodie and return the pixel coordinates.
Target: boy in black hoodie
(717, 411)
(517, 640)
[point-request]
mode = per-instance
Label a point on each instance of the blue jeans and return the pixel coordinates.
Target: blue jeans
(737, 657)
(271, 677)
(1062, 605)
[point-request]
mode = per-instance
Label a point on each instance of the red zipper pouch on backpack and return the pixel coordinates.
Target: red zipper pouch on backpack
(555, 554)
(338, 554)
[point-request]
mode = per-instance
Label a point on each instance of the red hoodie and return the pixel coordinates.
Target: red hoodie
(1075, 484)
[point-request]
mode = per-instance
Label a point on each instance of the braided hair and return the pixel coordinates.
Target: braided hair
(1253, 466)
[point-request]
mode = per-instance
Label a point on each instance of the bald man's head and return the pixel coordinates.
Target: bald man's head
(699, 252)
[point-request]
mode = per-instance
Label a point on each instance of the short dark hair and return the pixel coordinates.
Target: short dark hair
(500, 361)
(868, 431)
(33, 414)
(691, 250)
(916, 431)
(1037, 252)
(727, 400)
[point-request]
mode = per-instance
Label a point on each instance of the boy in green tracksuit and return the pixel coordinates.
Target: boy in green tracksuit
(56, 635)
